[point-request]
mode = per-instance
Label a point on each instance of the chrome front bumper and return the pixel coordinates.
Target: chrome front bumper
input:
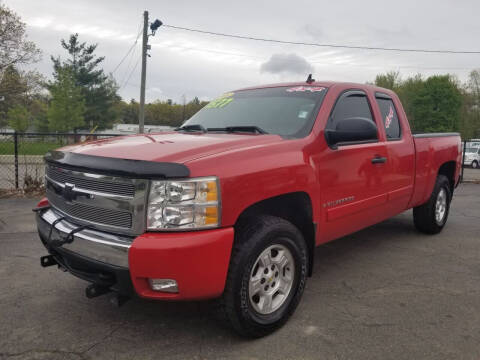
(100, 246)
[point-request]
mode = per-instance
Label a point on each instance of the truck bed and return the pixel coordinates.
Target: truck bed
(431, 151)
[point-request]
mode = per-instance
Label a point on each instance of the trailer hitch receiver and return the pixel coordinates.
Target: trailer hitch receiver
(94, 290)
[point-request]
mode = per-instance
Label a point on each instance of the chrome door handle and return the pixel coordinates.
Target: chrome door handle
(379, 160)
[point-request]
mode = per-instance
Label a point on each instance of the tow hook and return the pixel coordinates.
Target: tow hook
(48, 260)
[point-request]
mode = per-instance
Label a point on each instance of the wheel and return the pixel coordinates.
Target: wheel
(266, 278)
(474, 164)
(431, 217)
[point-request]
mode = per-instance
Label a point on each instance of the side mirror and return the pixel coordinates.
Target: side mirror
(351, 129)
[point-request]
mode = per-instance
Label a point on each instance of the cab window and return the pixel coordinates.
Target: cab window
(389, 117)
(350, 104)
(352, 107)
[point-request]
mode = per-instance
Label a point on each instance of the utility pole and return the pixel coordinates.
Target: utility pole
(141, 113)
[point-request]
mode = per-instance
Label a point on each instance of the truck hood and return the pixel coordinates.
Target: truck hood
(170, 147)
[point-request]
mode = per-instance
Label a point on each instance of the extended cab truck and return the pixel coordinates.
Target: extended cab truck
(233, 203)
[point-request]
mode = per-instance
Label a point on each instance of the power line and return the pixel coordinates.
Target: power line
(316, 62)
(392, 66)
(244, 37)
(128, 52)
(131, 72)
(127, 69)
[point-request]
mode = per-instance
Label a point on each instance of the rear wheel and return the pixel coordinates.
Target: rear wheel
(474, 164)
(431, 217)
(266, 276)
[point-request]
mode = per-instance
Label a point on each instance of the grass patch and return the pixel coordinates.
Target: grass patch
(28, 148)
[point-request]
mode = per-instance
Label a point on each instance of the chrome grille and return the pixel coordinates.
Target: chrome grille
(108, 203)
(93, 214)
(61, 176)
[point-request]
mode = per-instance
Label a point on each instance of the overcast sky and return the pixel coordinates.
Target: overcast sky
(191, 64)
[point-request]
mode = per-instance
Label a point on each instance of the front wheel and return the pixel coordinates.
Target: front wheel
(266, 277)
(431, 217)
(474, 164)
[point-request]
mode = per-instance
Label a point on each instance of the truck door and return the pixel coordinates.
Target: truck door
(353, 190)
(399, 173)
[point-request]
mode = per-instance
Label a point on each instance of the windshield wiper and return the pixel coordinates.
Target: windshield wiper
(195, 127)
(250, 129)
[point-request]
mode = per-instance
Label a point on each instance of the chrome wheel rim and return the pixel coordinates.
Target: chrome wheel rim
(271, 279)
(441, 206)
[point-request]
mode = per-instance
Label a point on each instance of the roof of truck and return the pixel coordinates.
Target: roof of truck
(326, 84)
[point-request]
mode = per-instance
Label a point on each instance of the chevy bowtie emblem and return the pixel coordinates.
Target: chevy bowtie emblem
(70, 194)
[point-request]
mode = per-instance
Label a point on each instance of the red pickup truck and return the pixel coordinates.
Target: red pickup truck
(232, 204)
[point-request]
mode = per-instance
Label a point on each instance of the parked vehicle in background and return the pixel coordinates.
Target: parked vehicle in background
(472, 157)
(473, 143)
(233, 203)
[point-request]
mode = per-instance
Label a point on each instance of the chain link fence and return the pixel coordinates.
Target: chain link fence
(21, 156)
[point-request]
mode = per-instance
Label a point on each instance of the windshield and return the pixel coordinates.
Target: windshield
(471, 150)
(285, 111)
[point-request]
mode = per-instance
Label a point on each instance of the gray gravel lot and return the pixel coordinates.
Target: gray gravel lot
(387, 292)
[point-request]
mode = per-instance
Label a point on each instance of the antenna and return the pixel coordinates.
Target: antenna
(310, 79)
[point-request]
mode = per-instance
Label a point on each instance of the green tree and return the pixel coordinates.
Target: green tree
(438, 104)
(98, 89)
(390, 80)
(39, 108)
(408, 91)
(435, 104)
(14, 47)
(12, 89)
(474, 85)
(193, 107)
(67, 108)
(470, 117)
(128, 112)
(159, 112)
(17, 88)
(19, 118)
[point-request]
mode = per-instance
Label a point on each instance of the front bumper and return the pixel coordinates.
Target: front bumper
(197, 260)
(96, 245)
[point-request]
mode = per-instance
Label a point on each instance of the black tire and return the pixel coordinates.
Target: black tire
(251, 239)
(474, 164)
(424, 215)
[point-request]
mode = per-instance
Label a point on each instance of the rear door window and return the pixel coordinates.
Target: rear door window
(389, 117)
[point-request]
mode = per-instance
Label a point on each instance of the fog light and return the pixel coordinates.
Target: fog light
(165, 285)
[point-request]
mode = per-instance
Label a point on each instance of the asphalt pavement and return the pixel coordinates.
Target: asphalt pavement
(387, 292)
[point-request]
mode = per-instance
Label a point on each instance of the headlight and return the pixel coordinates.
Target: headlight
(186, 204)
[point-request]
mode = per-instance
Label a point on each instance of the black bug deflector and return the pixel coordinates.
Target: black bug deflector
(139, 169)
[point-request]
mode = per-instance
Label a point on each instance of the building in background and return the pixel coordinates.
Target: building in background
(133, 129)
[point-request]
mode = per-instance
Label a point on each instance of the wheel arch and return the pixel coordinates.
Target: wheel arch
(295, 207)
(448, 170)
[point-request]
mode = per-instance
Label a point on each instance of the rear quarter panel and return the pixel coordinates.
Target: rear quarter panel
(431, 154)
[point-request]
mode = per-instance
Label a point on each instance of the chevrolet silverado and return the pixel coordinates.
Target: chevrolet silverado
(232, 204)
